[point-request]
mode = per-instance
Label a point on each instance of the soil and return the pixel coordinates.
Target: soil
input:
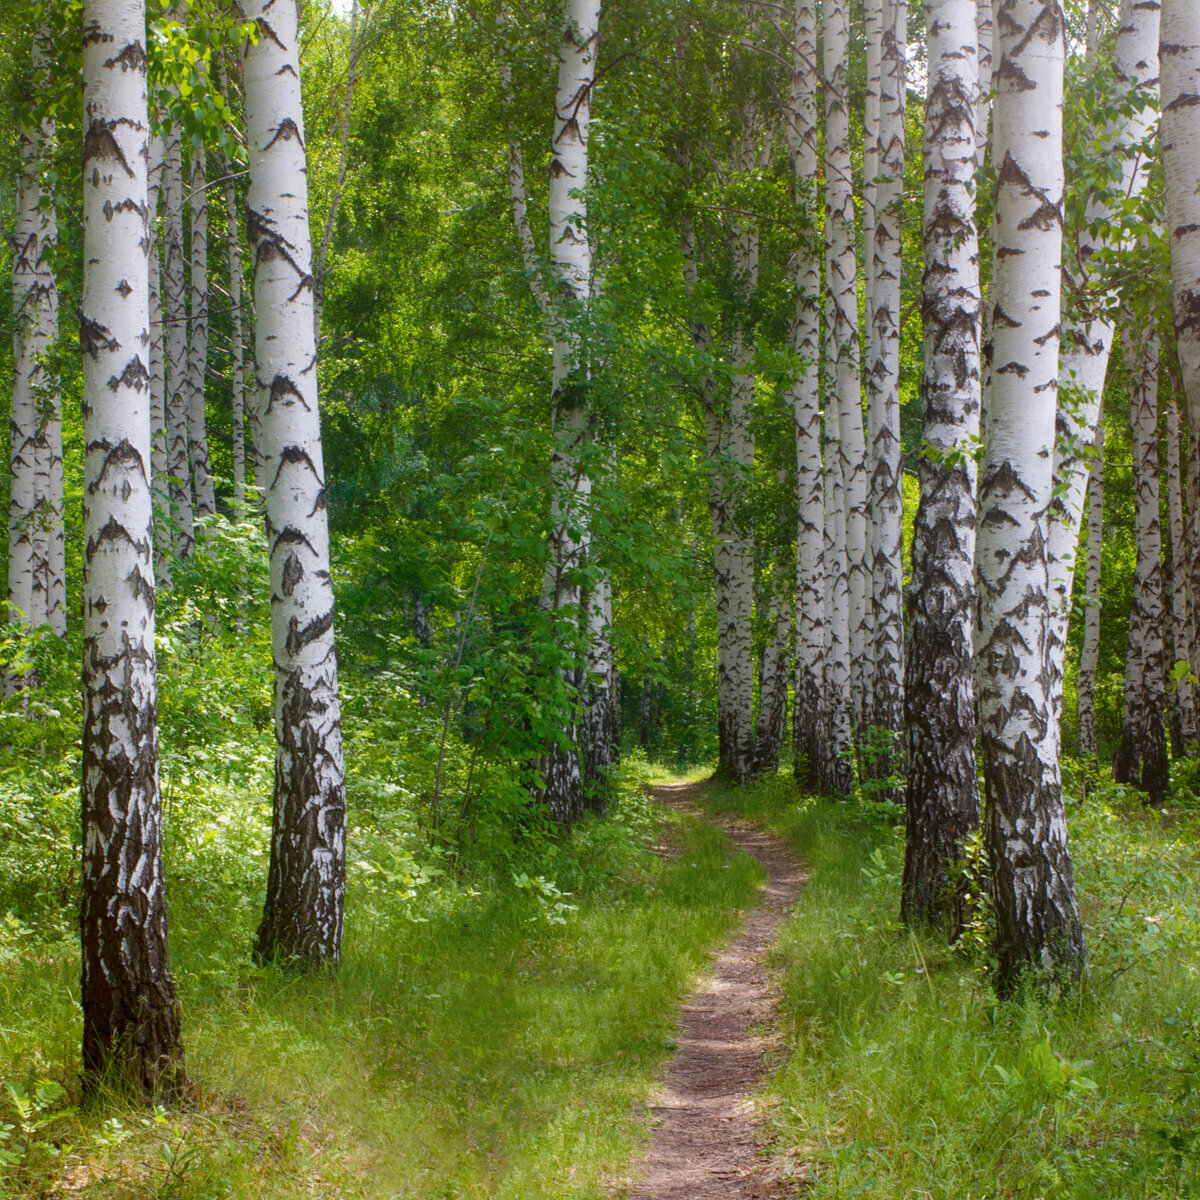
(707, 1143)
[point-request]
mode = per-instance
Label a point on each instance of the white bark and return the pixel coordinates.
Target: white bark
(197, 365)
(1183, 694)
(873, 21)
(884, 613)
(1087, 330)
(985, 35)
(127, 994)
(942, 798)
(1089, 658)
(1180, 146)
(1033, 887)
(841, 275)
(36, 578)
(809, 737)
(233, 250)
(302, 919)
(174, 289)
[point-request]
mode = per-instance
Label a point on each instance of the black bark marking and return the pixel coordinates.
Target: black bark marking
(132, 58)
(95, 338)
(100, 143)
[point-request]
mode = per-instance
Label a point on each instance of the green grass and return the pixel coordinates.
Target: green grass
(909, 1079)
(471, 1046)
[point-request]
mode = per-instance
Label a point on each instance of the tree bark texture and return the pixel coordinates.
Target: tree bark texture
(233, 249)
(131, 1018)
(985, 36)
(771, 720)
(1183, 697)
(1089, 658)
(197, 367)
(1037, 917)
(1087, 330)
(36, 568)
(885, 618)
(1141, 759)
(942, 796)
(841, 275)
(302, 917)
(158, 374)
(808, 710)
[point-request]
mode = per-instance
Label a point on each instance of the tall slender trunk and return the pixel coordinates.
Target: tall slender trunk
(158, 375)
(571, 262)
(1033, 888)
(175, 318)
(808, 710)
(841, 274)
(1180, 147)
(838, 705)
(985, 36)
(773, 677)
(1183, 697)
(1193, 543)
(942, 797)
(302, 917)
(873, 21)
(36, 570)
(1087, 329)
(1142, 757)
(197, 366)
(1089, 658)
(883, 387)
(233, 249)
(131, 1018)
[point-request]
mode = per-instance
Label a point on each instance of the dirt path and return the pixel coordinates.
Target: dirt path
(707, 1143)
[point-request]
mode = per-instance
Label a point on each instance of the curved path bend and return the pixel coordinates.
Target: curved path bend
(707, 1143)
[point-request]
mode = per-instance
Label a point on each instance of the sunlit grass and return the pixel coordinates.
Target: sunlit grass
(470, 1046)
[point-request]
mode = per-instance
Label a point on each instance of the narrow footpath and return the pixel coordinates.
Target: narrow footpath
(708, 1144)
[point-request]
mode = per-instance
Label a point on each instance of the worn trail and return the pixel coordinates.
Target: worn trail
(708, 1143)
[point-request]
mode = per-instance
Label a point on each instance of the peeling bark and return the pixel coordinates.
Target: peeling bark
(131, 1017)
(302, 917)
(942, 796)
(1037, 916)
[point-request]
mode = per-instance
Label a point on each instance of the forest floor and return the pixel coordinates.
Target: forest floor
(707, 1142)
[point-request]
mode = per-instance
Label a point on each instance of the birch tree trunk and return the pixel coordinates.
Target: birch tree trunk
(302, 917)
(1141, 759)
(985, 36)
(873, 20)
(131, 1018)
(233, 249)
(1089, 658)
(1087, 330)
(838, 705)
(841, 275)
(571, 263)
(1180, 148)
(197, 365)
(1183, 699)
(886, 621)
(773, 676)
(942, 796)
(175, 318)
(158, 375)
(808, 710)
(36, 571)
(1037, 917)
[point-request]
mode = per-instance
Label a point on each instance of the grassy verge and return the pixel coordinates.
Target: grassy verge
(909, 1079)
(483, 1039)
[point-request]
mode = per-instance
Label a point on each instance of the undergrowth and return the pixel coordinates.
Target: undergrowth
(908, 1078)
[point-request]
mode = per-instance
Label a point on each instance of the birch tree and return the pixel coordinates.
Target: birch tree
(885, 620)
(1089, 657)
(808, 713)
(131, 1018)
(841, 276)
(302, 917)
(1087, 327)
(174, 286)
(1142, 756)
(1183, 699)
(942, 796)
(1037, 917)
(233, 252)
(36, 568)
(158, 370)
(197, 360)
